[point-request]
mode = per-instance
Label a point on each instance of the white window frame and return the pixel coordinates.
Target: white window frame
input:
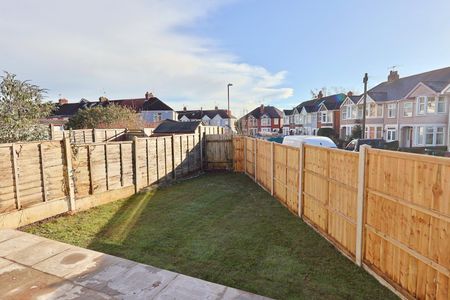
(275, 121)
(421, 141)
(389, 132)
(391, 110)
(421, 100)
(444, 100)
(412, 109)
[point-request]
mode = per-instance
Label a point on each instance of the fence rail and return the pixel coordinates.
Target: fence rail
(386, 211)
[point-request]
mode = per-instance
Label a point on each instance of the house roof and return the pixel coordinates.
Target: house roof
(199, 114)
(269, 110)
(354, 99)
(332, 102)
(170, 126)
(310, 105)
(288, 112)
(398, 89)
(137, 104)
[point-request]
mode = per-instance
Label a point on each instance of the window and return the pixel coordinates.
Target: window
(275, 121)
(391, 134)
(374, 132)
(440, 136)
(297, 119)
(157, 117)
(325, 117)
(347, 112)
(392, 110)
(407, 109)
(430, 135)
(441, 105)
(421, 105)
(374, 110)
(265, 129)
(431, 105)
(265, 121)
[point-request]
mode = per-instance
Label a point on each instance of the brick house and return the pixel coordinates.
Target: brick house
(263, 119)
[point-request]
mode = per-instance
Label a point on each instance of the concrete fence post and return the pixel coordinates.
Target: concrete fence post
(301, 174)
(69, 174)
(360, 203)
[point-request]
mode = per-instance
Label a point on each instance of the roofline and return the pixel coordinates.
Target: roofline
(416, 86)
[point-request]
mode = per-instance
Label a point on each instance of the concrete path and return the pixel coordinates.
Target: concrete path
(33, 267)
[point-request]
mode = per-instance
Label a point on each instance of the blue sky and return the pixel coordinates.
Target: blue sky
(274, 52)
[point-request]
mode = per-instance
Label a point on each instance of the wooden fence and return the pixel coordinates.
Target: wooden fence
(76, 176)
(81, 136)
(389, 212)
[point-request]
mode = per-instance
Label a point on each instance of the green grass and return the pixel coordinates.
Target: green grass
(222, 228)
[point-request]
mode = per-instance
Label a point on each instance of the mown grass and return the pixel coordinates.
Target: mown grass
(222, 228)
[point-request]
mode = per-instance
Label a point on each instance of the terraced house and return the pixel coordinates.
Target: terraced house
(414, 110)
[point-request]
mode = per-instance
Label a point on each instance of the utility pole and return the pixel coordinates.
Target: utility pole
(363, 129)
(228, 111)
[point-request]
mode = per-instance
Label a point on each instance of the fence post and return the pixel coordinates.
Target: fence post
(360, 203)
(69, 173)
(16, 175)
(172, 144)
(136, 164)
(255, 156)
(301, 174)
(272, 179)
(245, 155)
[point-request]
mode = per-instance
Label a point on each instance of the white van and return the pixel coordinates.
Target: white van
(296, 140)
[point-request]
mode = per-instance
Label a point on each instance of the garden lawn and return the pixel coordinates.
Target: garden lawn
(223, 228)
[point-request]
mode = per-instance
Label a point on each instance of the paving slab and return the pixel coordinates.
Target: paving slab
(33, 267)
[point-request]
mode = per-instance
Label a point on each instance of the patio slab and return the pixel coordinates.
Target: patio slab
(33, 267)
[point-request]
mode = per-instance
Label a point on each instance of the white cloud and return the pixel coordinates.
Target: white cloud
(82, 48)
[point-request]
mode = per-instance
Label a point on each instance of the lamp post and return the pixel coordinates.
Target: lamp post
(228, 111)
(363, 129)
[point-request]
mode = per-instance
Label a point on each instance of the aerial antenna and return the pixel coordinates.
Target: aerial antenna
(394, 67)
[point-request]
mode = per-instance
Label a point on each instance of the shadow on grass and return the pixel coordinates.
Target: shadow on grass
(225, 229)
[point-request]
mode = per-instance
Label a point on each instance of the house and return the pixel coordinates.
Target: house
(288, 122)
(329, 111)
(263, 119)
(414, 110)
(151, 109)
(214, 117)
(305, 117)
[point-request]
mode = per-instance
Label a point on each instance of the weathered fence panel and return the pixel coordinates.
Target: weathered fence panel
(219, 151)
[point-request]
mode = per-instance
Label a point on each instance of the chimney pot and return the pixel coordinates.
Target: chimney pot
(261, 108)
(320, 95)
(184, 108)
(350, 93)
(216, 108)
(63, 101)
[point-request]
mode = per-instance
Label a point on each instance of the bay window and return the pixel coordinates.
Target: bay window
(429, 136)
(374, 110)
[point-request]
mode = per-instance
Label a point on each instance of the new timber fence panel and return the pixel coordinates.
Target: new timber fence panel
(407, 225)
(263, 162)
(250, 156)
(238, 155)
(219, 151)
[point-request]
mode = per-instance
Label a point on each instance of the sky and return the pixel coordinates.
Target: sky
(186, 52)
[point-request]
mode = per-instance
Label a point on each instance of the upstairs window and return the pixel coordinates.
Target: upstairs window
(407, 109)
(431, 105)
(441, 105)
(421, 105)
(392, 110)
(275, 121)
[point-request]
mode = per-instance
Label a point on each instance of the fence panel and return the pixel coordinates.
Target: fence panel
(7, 182)
(264, 164)
(250, 156)
(238, 157)
(280, 177)
(219, 151)
(407, 226)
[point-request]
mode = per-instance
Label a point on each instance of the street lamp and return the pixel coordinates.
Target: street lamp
(228, 112)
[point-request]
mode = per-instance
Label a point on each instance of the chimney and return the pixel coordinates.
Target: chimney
(63, 101)
(148, 95)
(349, 93)
(393, 76)
(103, 99)
(320, 95)
(216, 108)
(184, 108)
(261, 108)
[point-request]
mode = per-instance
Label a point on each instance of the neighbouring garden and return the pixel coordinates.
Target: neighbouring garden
(223, 228)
